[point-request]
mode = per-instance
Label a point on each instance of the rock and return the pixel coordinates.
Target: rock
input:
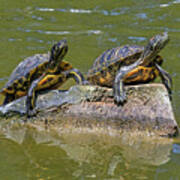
(148, 108)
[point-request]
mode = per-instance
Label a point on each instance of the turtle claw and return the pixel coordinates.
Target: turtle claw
(120, 99)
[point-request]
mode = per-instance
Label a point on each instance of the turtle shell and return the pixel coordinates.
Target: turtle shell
(107, 64)
(27, 70)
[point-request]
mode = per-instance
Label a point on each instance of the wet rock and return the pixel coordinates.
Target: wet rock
(148, 108)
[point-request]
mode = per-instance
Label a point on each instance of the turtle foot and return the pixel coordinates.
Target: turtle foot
(120, 99)
(31, 113)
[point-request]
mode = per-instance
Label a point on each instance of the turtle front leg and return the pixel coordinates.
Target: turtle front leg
(118, 87)
(76, 75)
(32, 97)
(166, 79)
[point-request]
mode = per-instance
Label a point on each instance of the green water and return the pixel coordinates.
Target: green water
(29, 27)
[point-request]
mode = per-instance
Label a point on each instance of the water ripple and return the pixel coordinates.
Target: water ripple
(37, 18)
(176, 148)
(89, 32)
(112, 39)
(170, 3)
(176, 1)
(34, 39)
(163, 29)
(113, 12)
(46, 9)
(142, 15)
(164, 5)
(4, 78)
(139, 39)
(14, 39)
(35, 48)
(80, 11)
(54, 32)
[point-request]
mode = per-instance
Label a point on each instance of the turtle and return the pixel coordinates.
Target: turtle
(40, 73)
(130, 65)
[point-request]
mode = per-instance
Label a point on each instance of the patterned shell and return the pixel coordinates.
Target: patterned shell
(118, 56)
(27, 67)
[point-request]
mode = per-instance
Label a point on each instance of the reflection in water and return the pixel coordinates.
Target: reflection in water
(171, 169)
(28, 28)
(82, 155)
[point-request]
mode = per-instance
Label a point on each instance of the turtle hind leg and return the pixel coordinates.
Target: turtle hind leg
(9, 98)
(76, 75)
(166, 79)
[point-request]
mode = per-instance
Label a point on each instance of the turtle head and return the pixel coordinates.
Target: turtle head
(58, 51)
(157, 43)
(154, 46)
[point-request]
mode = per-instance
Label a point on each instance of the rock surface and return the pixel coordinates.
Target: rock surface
(148, 108)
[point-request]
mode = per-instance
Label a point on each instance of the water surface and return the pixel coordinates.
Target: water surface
(90, 27)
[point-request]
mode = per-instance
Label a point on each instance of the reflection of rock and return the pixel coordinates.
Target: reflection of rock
(116, 159)
(147, 151)
(16, 135)
(117, 149)
(148, 107)
(90, 153)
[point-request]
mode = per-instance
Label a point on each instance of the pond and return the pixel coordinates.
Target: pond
(90, 27)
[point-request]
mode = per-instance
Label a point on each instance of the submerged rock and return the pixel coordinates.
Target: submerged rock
(148, 108)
